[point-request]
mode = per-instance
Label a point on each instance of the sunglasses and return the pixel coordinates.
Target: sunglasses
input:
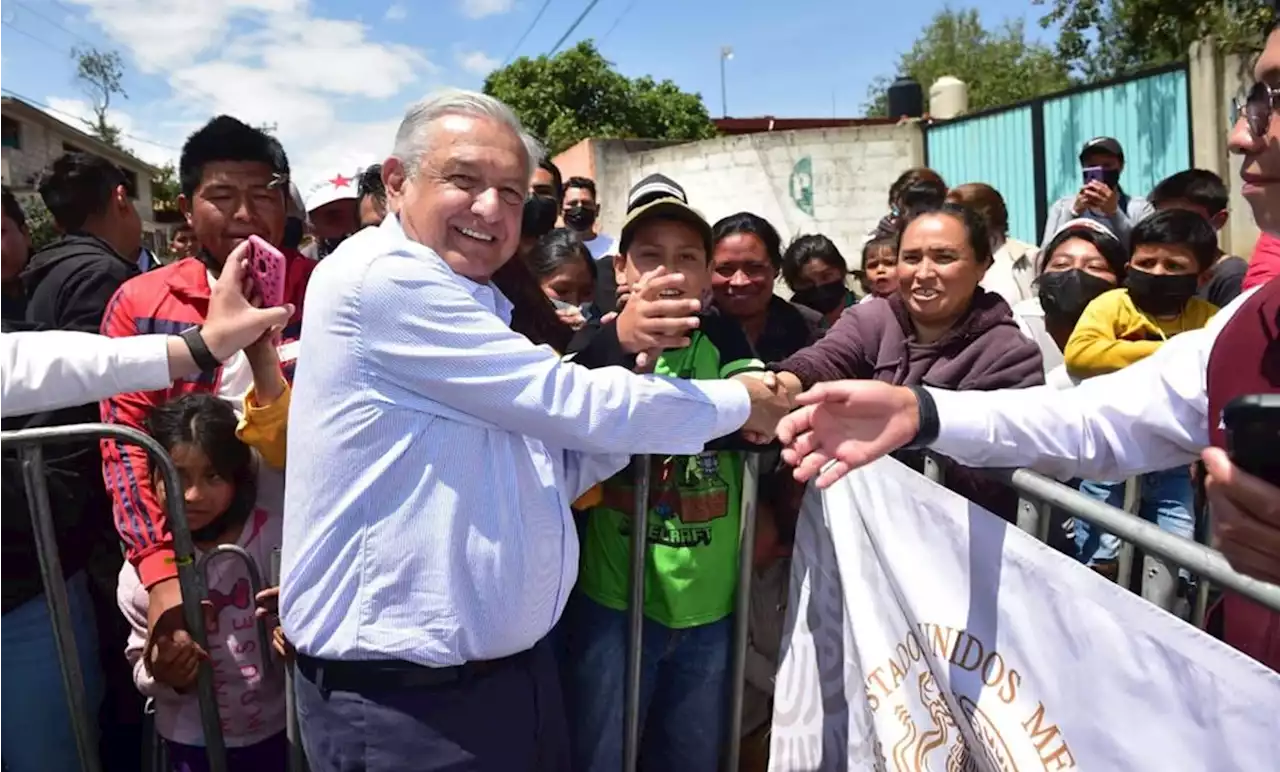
(1256, 108)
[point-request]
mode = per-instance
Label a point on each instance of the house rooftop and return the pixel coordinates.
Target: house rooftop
(10, 106)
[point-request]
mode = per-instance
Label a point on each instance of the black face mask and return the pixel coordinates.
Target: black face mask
(1064, 294)
(1161, 294)
(1112, 178)
(580, 218)
(823, 298)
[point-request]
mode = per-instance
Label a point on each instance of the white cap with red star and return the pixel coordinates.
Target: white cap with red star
(333, 187)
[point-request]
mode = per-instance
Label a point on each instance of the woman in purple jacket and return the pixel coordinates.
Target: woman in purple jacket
(939, 329)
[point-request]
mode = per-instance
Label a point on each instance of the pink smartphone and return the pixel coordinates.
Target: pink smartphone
(267, 265)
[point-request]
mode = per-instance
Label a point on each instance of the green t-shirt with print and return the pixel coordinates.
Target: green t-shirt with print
(691, 568)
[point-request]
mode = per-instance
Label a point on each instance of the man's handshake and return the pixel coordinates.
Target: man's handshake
(770, 402)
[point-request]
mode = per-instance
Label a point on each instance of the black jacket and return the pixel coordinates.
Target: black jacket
(68, 285)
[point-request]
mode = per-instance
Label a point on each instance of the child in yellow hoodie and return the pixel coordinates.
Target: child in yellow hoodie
(1171, 253)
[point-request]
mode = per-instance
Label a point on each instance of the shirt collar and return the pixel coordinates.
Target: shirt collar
(488, 295)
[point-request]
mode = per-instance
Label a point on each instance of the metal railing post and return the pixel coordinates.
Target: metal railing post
(1030, 517)
(742, 605)
(193, 594)
(297, 759)
(635, 616)
(55, 594)
(932, 469)
(1124, 558)
(255, 586)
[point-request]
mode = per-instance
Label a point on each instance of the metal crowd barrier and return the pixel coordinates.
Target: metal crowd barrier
(1038, 493)
(635, 610)
(30, 444)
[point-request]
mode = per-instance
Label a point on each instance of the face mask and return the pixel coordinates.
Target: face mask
(580, 218)
(1064, 294)
(1112, 178)
(1160, 294)
(823, 298)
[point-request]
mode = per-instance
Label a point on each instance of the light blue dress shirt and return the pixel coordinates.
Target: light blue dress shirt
(433, 455)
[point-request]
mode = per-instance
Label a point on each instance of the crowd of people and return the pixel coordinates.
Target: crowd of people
(469, 372)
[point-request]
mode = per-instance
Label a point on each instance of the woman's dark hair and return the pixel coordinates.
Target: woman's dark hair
(539, 216)
(986, 201)
(532, 313)
(557, 248)
(1178, 227)
(813, 246)
(912, 177)
(975, 227)
(13, 210)
(1107, 245)
(755, 225)
(209, 423)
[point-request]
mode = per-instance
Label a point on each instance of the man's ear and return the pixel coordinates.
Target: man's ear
(1219, 220)
(121, 196)
(620, 269)
(394, 176)
(184, 208)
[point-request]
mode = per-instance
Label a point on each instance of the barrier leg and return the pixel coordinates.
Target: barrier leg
(1124, 560)
(297, 760)
(1033, 519)
(742, 607)
(635, 617)
(55, 593)
(1201, 607)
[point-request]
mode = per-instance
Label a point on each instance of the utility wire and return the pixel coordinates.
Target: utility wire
(528, 29)
(78, 119)
(572, 27)
(52, 22)
(616, 22)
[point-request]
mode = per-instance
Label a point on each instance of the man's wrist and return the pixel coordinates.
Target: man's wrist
(201, 348)
(928, 423)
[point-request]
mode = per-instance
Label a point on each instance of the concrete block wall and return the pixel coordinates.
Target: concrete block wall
(851, 170)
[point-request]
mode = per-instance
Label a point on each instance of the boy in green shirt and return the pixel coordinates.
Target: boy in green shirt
(692, 524)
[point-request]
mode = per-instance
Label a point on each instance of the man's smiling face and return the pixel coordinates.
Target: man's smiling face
(467, 197)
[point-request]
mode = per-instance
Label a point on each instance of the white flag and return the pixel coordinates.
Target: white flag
(924, 633)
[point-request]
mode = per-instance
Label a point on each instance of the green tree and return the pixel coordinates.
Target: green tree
(577, 94)
(101, 75)
(39, 223)
(999, 65)
(1104, 38)
(165, 189)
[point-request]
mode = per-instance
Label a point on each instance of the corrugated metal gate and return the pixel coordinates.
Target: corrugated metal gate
(1030, 151)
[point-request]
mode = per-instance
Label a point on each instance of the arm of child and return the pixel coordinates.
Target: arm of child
(1097, 347)
(266, 406)
(132, 600)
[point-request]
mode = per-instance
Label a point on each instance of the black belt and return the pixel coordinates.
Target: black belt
(383, 675)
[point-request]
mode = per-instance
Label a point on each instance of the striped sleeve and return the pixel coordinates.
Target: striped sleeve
(139, 519)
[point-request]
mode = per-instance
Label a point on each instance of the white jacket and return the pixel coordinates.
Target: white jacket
(56, 369)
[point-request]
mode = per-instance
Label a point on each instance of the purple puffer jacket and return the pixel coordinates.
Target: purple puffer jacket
(984, 351)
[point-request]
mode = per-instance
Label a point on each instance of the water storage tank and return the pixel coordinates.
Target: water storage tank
(906, 99)
(948, 98)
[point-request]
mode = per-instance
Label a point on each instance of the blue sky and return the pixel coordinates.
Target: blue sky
(335, 75)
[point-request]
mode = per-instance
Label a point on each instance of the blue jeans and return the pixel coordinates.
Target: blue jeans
(1166, 499)
(37, 734)
(684, 691)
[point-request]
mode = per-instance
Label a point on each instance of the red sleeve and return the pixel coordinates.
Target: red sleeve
(138, 516)
(1265, 263)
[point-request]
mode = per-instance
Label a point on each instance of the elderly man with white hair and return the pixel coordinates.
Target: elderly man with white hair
(428, 546)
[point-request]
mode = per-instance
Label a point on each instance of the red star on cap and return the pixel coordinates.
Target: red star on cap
(340, 181)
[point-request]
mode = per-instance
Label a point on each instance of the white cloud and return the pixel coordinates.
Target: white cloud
(476, 62)
(396, 12)
(478, 9)
(321, 81)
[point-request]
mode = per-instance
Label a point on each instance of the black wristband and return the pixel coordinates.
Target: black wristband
(930, 424)
(200, 352)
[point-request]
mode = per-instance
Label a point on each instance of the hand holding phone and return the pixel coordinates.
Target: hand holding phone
(267, 267)
(1253, 435)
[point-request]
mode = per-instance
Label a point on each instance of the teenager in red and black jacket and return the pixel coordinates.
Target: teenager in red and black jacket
(234, 182)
